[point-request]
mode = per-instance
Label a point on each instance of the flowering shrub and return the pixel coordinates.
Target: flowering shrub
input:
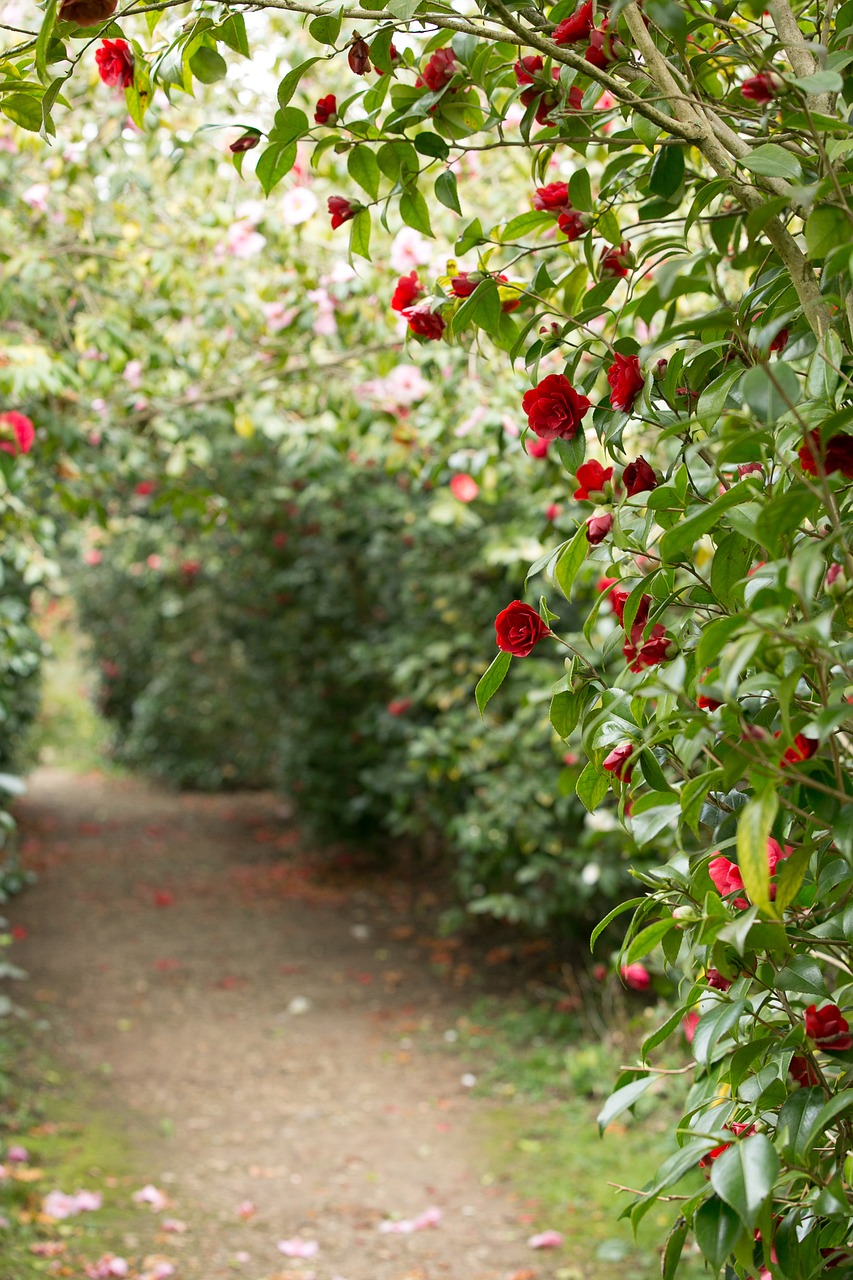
(683, 311)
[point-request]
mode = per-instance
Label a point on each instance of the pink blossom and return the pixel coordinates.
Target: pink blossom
(17, 1155)
(546, 1240)
(133, 374)
(173, 1225)
(405, 1226)
(325, 324)
(151, 1196)
(636, 976)
(278, 316)
(246, 1209)
(92, 556)
(60, 1205)
(298, 205)
(297, 1248)
(409, 249)
(107, 1267)
(36, 196)
(243, 241)
(464, 487)
(159, 1269)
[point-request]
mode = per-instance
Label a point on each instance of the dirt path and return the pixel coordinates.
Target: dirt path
(264, 1035)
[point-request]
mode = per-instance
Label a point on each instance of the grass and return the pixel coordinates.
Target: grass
(72, 1143)
(547, 1074)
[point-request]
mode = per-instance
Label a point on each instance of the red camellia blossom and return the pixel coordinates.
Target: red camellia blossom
(640, 653)
(326, 109)
(636, 976)
(727, 878)
(537, 448)
(829, 1030)
(439, 70)
(576, 28)
(20, 427)
(553, 198)
(704, 702)
(145, 488)
(246, 142)
(86, 13)
(617, 762)
(837, 454)
(519, 629)
(716, 980)
(801, 1070)
(526, 69)
(115, 63)
(616, 263)
(626, 382)
(407, 292)
(424, 322)
(573, 224)
(780, 342)
(398, 706)
(341, 210)
(749, 469)
(358, 56)
(618, 598)
(592, 477)
(463, 285)
(597, 528)
(604, 47)
(803, 749)
(464, 487)
(554, 409)
(639, 477)
(762, 88)
(738, 1130)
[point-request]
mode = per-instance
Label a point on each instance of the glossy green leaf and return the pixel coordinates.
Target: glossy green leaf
(492, 679)
(754, 825)
(744, 1176)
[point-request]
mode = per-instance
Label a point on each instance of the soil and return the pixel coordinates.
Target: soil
(268, 1027)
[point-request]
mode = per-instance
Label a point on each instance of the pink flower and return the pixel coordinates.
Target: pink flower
(546, 1240)
(151, 1196)
(464, 487)
(636, 976)
(17, 1155)
(92, 556)
(107, 1267)
(298, 1248)
(429, 1218)
(21, 428)
(617, 762)
(688, 1025)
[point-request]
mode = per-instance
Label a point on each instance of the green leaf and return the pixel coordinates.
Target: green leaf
(380, 50)
(662, 1033)
(564, 711)
(755, 822)
(359, 238)
(826, 228)
(744, 1176)
(48, 22)
(290, 83)
(403, 9)
(233, 33)
(621, 1100)
(693, 794)
(430, 144)
(669, 16)
(414, 211)
(646, 940)
(326, 28)
(482, 308)
(771, 390)
(681, 537)
(446, 192)
(712, 1026)
(608, 228)
(289, 125)
(138, 94)
(783, 515)
(592, 786)
(732, 559)
(273, 163)
(23, 109)
(572, 453)
(672, 1250)
(657, 814)
(790, 877)
(492, 679)
(667, 172)
(618, 910)
(208, 65)
(797, 1121)
(824, 369)
(363, 168)
(819, 82)
(580, 191)
(717, 1228)
(772, 161)
(828, 1113)
(570, 561)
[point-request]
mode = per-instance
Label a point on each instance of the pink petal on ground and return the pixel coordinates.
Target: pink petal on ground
(107, 1267)
(429, 1218)
(173, 1224)
(17, 1155)
(297, 1248)
(546, 1240)
(405, 1226)
(246, 1209)
(88, 1201)
(152, 1196)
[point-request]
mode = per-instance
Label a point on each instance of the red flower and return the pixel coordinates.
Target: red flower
(780, 342)
(519, 629)
(393, 56)
(573, 224)
(803, 749)
(636, 976)
(749, 469)
(775, 855)
(341, 210)
(762, 88)
(407, 292)
(527, 68)
(246, 142)
(689, 1023)
(640, 653)
(537, 448)
(554, 197)
(737, 1130)
(439, 71)
(115, 63)
(617, 762)
(829, 1030)
(592, 477)
(575, 97)
(837, 454)
(716, 980)
(704, 702)
(145, 488)
(398, 706)
(638, 476)
(597, 528)
(424, 322)
(616, 263)
(727, 879)
(801, 1070)
(576, 28)
(21, 428)
(554, 409)
(86, 13)
(359, 56)
(326, 109)
(618, 598)
(604, 48)
(626, 382)
(546, 103)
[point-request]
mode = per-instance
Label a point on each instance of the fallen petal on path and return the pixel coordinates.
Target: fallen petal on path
(405, 1226)
(546, 1240)
(297, 1248)
(152, 1196)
